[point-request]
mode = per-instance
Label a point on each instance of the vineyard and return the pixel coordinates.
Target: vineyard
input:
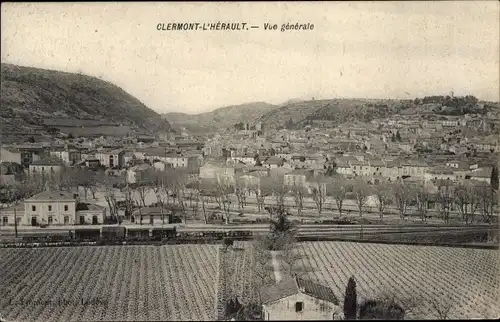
(108, 283)
(427, 279)
(246, 272)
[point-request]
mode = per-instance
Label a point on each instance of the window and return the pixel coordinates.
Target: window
(43, 168)
(66, 220)
(33, 208)
(65, 207)
(299, 306)
(5, 220)
(50, 220)
(50, 207)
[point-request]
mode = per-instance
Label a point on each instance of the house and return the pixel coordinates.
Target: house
(67, 156)
(298, 299)
(134, 174)
(111, 159)
(273, 162)
(49, 207)
(297, 178)
(46, 166)
(22, 155)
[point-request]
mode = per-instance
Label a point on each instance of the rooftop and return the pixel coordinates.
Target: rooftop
(51, 196)
(296, 285)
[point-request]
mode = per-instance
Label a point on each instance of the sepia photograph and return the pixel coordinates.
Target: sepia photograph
(249, 161)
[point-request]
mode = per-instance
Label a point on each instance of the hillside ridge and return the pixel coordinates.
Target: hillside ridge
(33, 99)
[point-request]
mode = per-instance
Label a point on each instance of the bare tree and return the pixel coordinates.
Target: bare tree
(318, 193)
(298, 192)
(278, 189)
(262, 191)
(403, 195)
(361, 193)
(288, 254)
(338, 190)
(383, 198)
(224, 192)
(179, 182)
(240, 191)
(422, 198)
(110, 197)
(445, 199)
(486, 200)
(158, 183)
(144, 181)
(467, 201)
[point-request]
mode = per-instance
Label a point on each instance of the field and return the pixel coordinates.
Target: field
(188, 282)
(467, 281)
(108, 283)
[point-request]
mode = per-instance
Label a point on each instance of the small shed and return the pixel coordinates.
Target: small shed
(298, 299)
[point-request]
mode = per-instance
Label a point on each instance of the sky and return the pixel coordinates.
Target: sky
(356, 49)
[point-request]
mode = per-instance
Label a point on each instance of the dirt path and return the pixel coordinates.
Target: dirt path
(276, 266)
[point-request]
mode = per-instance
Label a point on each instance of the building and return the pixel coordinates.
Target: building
(67, 156)
(46, 167)
(111, 159)
(54, 208)
(21, 155)
(298, 299)
(298, 178)
(50, 208)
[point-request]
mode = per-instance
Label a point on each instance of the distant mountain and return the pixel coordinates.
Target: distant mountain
(298, 113)
(34, 99)
(224, 117)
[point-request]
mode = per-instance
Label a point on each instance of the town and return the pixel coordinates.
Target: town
(412, 164)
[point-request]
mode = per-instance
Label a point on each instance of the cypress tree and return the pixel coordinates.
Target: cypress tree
(494, 178)
(350, 300)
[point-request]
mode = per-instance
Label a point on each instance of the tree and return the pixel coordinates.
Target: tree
(361, 193)
(288, 255)
(350, 300)
(179, 181)
(422, 197)
(486, 201)
(223, 194)
(398, 136)
(383, 198)
(467, 201)
(278, 189)
(381, 309)
(318, 194)
(281, 224)
(31, 139)
(158, 183)
(298, 192)
(494, 178)
(110, 197)
(144, 181)
(240, 191)
(262, 191)
(338, 189)
(445, 199)
(403, 196)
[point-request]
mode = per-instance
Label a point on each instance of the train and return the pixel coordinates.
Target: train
(119, 235)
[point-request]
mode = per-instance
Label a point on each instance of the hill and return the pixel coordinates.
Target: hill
(335, 110)
(34, 99)
(224, 117)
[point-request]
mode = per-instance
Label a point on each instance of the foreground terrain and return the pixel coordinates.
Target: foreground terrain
(109, 283)
(191, 282)
(428, 279)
